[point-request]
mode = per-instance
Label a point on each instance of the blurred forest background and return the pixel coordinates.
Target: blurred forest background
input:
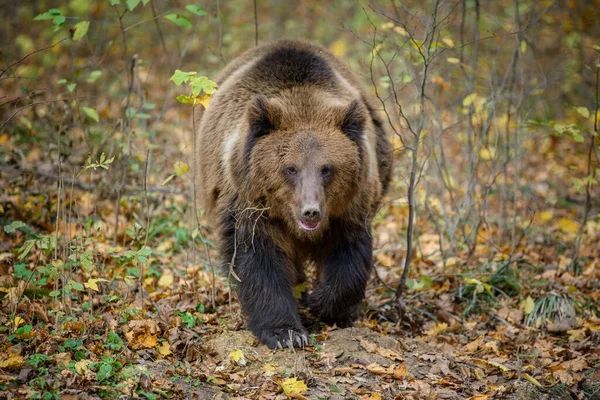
(110, 288)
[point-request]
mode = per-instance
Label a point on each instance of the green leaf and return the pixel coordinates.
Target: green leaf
(50, 14)
(181, 168)
(184, 99)
(21, 272)
(26, 248)
(131, 4)
(202, 84)
(583, 111)
(71, 87)
(80, 29)
(578, 138)
(114, 2)
(144, 252)
(179, 77)
(10, 228)
(61, 81)
(104, 372)
(195, 9)
(179, 20)
(91, 113)
(76, 285)
(54, 293)
(168, 179)
(58, 21)
(94, 76)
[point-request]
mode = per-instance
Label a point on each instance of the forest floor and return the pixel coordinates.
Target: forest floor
(80, 325)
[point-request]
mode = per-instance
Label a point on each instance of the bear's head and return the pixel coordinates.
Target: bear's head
(304, 157)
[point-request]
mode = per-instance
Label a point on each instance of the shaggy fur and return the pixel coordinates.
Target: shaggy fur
(292, 162)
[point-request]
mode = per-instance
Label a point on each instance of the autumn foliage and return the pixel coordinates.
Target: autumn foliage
(109, 280)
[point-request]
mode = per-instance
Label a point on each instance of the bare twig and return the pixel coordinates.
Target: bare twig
(33, 52)
(590, 173)
(255, 25)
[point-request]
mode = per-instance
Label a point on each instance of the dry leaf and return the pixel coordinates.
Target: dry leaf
(164, 348)
(141, 333)
(166, 281)
(12, 362)
(293, 385)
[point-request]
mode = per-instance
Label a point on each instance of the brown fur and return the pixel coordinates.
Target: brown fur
(310, 113)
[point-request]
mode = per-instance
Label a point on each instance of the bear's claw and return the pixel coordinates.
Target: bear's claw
(278, 338)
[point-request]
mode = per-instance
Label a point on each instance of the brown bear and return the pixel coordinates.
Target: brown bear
(292, 163)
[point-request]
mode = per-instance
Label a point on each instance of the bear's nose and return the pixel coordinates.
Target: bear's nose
(311, 213)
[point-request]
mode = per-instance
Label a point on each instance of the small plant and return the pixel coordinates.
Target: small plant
(551, 307)
(113, 342)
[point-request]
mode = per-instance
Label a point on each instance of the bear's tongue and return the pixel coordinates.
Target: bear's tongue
(309, 226)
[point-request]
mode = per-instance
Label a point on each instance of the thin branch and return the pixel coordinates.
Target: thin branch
(33, 52)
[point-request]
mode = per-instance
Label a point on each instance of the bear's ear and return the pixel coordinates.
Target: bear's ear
(263, 117)
(353, 121)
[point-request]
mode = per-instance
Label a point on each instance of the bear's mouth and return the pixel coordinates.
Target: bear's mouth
(308, 225)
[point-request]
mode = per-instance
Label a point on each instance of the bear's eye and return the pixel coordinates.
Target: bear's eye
(326, 171)
(291, 170)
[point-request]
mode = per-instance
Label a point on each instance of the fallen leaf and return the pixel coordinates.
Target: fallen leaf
(12, 362)
(527, 305)
(436, 329)
(293, 385)
(166, 281)
(568, 225)
(532, 380)
(164, 348)
(238, 357)
(141, 333)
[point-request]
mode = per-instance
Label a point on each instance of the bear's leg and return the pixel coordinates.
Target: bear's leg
(343, 278)
(265, 290)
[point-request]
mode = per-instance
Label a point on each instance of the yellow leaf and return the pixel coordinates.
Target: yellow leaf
(293, 385)
(12, 362)
(527, 305)
(546, 216)
(523, 46)
(436, 329)
(299, 289)
(532, 380)
(81, 367)
(384, 259)
(448, 42)
(401, 31)
(166, 281)
(338, 48)
(236, 355)
(487, 153)
(204, 100)
(568, 225)
(181, 168)
(469, 99)
(93, 283)
(583, 111)
(453, 60)
(18, 321)
(501, 367)
(577, 335)
(164, 348)
(270, 369)
(472, 281)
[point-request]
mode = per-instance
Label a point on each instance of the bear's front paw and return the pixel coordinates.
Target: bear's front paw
(280, 337)
(324, 305)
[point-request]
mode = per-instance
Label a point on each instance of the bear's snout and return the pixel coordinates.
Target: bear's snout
(311, 213)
